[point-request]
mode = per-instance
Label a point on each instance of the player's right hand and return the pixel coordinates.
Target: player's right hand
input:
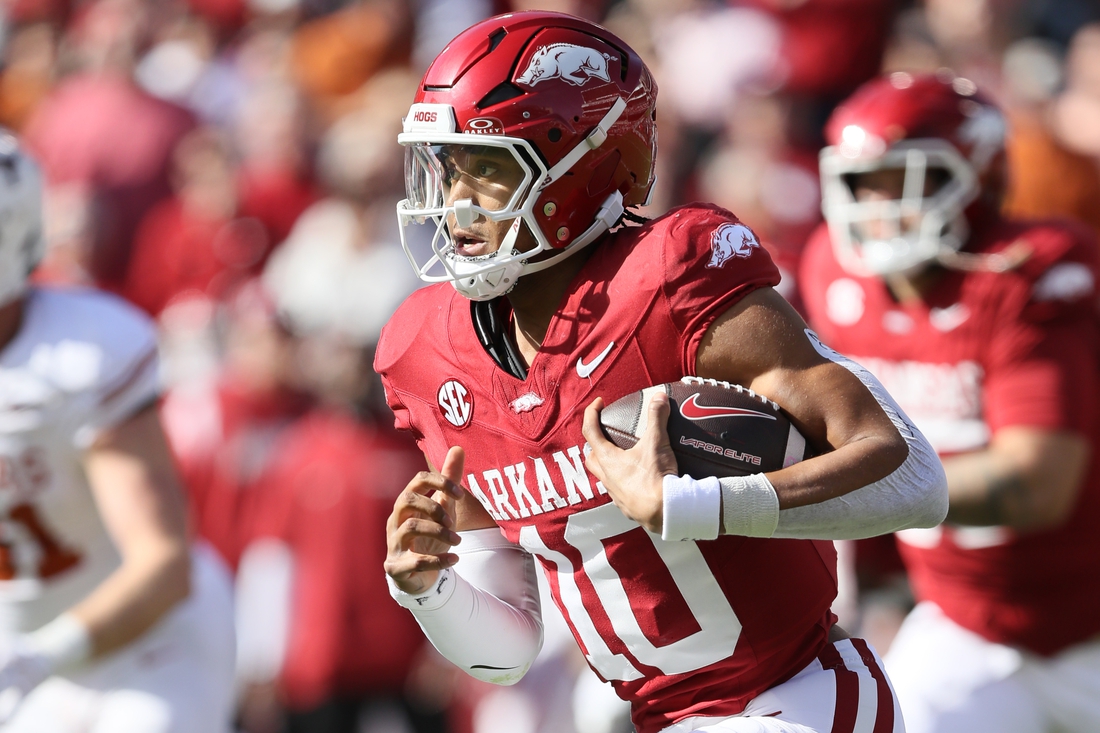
(419, 532)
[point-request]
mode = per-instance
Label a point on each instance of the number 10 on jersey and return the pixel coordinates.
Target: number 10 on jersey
(717, 625)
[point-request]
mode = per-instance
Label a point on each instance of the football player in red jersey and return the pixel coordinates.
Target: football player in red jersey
(705, 602)
(985, 331)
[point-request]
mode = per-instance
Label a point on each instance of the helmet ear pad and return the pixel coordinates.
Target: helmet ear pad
(564, 209)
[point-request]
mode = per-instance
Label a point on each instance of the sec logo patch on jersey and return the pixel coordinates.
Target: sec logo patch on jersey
(456, 403)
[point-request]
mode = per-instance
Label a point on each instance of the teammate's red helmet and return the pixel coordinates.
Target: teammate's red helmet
(574, 106)
(936, 128)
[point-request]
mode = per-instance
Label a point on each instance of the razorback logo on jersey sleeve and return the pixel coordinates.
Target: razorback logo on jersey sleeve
(711, 260)
(729, 241)
(1064, 281)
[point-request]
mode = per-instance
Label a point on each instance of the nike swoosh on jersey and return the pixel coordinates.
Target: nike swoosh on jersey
(585, 370)
(692, 410)
(948, 319)
(489, 666)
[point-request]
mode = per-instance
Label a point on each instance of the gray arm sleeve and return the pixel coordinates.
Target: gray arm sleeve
(914, 495)
(484, 614)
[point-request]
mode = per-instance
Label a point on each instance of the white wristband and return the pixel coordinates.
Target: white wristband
(65, 642)
(750, 506)
(691, 508)
(434, 597)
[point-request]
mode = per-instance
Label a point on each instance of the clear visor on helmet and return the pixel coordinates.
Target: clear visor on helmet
(463, 186)
(490, 176)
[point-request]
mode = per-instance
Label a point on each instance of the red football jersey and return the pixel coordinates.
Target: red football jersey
(983, 352)
(680, 628)
(327, 492)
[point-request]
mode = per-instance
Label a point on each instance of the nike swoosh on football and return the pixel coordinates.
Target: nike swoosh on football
(585, 370)
(692, 410)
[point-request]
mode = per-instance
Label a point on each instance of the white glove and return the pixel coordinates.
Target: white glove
(23, 666)
(27, 660)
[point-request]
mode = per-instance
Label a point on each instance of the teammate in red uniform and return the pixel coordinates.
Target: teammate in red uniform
(985, 331)
(529, 135)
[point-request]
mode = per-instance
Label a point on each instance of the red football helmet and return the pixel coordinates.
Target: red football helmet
(570, 102)
(937, 129)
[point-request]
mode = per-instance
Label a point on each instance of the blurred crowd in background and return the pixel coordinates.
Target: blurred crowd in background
(231, 167)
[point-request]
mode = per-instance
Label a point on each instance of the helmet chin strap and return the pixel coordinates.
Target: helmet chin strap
(594, 140)
(508, 245)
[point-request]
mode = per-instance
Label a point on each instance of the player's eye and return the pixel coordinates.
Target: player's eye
(486, 170)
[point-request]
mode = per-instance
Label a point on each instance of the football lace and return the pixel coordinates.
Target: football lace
(730, 385)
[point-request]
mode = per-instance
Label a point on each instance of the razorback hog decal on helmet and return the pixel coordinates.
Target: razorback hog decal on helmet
(729, 241)
(565, 61)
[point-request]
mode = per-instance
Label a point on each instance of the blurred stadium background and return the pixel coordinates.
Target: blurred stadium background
(231, 167)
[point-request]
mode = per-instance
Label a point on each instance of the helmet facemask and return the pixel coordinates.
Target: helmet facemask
(432, 160)
(431, 169)
(901, 235)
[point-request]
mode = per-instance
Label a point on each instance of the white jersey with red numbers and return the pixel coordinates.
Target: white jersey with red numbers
(81, 362)
(684, 630)
(986, 351)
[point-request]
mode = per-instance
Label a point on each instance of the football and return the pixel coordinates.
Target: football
(716, 428)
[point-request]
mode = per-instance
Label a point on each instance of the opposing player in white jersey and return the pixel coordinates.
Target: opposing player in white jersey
(109, 620)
